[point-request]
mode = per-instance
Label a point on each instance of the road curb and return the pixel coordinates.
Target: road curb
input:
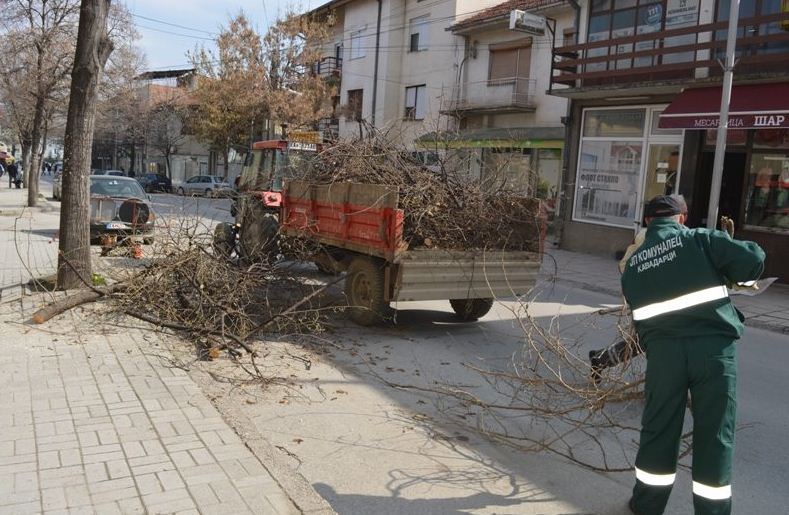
(295, 486)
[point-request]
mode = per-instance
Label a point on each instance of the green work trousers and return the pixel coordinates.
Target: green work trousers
(707, 368)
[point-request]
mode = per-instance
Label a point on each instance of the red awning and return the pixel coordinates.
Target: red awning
(755, 106)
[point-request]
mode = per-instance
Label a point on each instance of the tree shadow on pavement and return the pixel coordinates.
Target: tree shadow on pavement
(371, 504)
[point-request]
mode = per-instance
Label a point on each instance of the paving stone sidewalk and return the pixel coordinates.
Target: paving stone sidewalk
(95, 419)
(100, 423)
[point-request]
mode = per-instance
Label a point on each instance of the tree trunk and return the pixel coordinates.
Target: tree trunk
(227, 163)
(93, 49)
(34, 167)
(27, 151)
(133, 160)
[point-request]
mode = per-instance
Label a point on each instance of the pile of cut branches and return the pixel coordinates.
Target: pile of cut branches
(443, 209)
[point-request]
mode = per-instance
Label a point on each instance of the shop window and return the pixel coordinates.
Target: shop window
(609, 167)
(771, 138)
(767, 203)
(614, 123)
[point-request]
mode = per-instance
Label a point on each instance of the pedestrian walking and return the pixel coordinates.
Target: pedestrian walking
(676, 286)
(13, 174)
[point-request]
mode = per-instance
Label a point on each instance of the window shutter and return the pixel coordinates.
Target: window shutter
(503, 64)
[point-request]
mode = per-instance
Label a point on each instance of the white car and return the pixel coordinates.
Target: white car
(207, 185)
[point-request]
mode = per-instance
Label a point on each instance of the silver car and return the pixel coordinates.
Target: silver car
(207, 185)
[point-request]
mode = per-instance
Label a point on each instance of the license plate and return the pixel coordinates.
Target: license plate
(116, 225)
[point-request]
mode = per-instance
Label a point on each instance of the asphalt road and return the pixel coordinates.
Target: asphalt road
(369, 448)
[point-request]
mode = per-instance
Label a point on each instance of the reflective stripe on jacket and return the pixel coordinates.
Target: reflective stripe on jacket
(675, 282)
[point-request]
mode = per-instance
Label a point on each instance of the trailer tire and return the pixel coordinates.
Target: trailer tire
(365, 288)
(470, 310)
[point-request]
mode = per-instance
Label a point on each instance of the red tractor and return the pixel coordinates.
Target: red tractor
(256, 207)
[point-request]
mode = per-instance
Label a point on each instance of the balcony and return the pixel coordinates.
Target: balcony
(670, 58)
(512, 95)
(328, 68)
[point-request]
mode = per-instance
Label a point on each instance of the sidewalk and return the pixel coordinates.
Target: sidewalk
(769, 310)
(96, 418)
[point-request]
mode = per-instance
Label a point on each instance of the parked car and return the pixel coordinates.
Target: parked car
(152, 182)
(207, 185)
(119, 206)
(114, 173)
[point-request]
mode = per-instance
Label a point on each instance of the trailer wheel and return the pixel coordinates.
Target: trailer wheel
(470, 310)
(364, 287)
(258, 240)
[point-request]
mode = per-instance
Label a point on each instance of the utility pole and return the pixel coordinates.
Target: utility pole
(723, 124)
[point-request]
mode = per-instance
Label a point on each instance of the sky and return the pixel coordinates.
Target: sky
(170, 28)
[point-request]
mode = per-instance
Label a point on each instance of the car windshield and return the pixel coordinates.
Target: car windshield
(218, 179)
(113, 187)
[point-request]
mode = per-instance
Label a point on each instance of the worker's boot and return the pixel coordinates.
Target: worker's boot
(597, 364)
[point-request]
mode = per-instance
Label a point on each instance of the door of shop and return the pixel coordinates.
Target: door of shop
(731, 188)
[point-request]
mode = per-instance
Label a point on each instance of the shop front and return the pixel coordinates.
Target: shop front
(755, 188)
(623, 159)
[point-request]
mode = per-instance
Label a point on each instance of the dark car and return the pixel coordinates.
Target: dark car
(119, 206)
(152, 182)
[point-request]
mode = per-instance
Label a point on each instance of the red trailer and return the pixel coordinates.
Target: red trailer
(361, 228)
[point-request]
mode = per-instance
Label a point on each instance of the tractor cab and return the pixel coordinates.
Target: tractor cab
(273, 161)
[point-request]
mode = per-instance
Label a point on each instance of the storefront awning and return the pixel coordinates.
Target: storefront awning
(519, 137)
(754, 106)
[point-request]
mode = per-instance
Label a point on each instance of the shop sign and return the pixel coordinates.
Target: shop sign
(681, 13)
(749, 121)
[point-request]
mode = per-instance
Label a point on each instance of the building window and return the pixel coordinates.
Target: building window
(415, 102)
(355, 102)
(417, 30)
(509, 62)
(609, 166)
(357, 44)
(614, 19)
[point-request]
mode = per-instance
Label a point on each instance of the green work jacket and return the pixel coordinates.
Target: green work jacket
(675, 283)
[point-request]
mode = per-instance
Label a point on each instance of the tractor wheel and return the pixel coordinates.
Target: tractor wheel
(365, 288)
(259, 238)
(470, 310)
(224, 240)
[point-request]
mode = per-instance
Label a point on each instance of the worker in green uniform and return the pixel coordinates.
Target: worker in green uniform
(676, 286)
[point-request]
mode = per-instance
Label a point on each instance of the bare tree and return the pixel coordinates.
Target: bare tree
(165, 124)
(94, 47)
(252, 78)
(40, 35)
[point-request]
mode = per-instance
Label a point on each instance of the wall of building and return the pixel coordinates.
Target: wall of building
(549, 108)
(436, 67)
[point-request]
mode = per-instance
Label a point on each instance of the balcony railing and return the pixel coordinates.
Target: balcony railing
(677, 54)
(501, 95)
(328, 67)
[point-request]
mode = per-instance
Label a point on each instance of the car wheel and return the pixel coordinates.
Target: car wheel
(148, 240)
(181, 192)
(209, 193)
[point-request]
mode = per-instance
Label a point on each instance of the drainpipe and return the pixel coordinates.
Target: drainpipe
(377, 53)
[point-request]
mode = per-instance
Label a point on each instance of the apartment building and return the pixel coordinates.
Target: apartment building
(449, 75)
(644, 80)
